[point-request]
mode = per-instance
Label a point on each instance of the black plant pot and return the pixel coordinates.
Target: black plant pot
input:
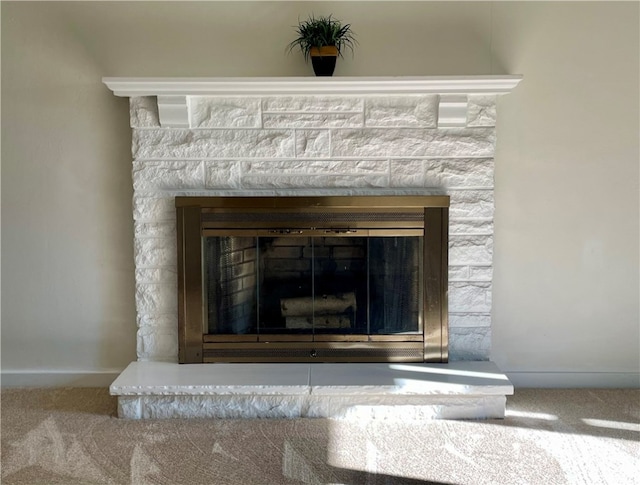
(323, 60)
(324, 65)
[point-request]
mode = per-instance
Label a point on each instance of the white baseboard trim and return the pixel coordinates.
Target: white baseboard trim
(567, 380)
(35, 378)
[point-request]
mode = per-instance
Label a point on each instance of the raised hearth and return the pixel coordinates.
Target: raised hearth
(460, 390)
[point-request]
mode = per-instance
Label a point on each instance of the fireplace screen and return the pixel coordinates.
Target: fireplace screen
(312, 279)
(312, 285)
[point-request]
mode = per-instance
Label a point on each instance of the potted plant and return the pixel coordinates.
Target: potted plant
(323, 39)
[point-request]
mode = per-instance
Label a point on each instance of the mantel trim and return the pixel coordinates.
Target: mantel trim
(260, 86)
(173, 94)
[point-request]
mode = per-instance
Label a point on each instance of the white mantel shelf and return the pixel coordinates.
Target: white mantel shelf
(260, 86)
(174, 94)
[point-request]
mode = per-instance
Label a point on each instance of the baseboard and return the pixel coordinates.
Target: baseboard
(58, 378)
(567, 380)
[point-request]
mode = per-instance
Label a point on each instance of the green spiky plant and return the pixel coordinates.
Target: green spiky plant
(320, 32)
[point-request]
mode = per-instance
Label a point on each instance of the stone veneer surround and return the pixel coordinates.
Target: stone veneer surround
(434, 140)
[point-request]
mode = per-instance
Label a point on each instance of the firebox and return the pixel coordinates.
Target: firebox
(312, 279)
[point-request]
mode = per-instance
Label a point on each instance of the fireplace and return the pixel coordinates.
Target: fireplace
(312, 279)
(391, 160)
(312, 137)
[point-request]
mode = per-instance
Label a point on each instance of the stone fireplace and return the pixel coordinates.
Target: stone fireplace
(313, 137)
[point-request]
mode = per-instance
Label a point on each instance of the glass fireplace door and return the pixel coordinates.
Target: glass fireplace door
(312, 279)
(312, 285)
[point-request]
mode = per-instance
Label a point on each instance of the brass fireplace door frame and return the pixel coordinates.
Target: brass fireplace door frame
(426, 216)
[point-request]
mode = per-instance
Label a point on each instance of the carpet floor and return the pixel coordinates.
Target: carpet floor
(72, 436)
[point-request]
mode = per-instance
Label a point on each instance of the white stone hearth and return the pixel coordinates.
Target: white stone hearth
(459, 390)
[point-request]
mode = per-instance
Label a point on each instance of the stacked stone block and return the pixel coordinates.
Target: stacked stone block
(306, 145)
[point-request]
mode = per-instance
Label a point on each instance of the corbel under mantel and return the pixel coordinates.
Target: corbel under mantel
(173, 94)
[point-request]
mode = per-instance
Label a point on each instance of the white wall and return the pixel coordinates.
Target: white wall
(567, 210)
(566, 285)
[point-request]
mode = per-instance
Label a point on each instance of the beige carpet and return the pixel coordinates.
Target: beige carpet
(71, 436)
